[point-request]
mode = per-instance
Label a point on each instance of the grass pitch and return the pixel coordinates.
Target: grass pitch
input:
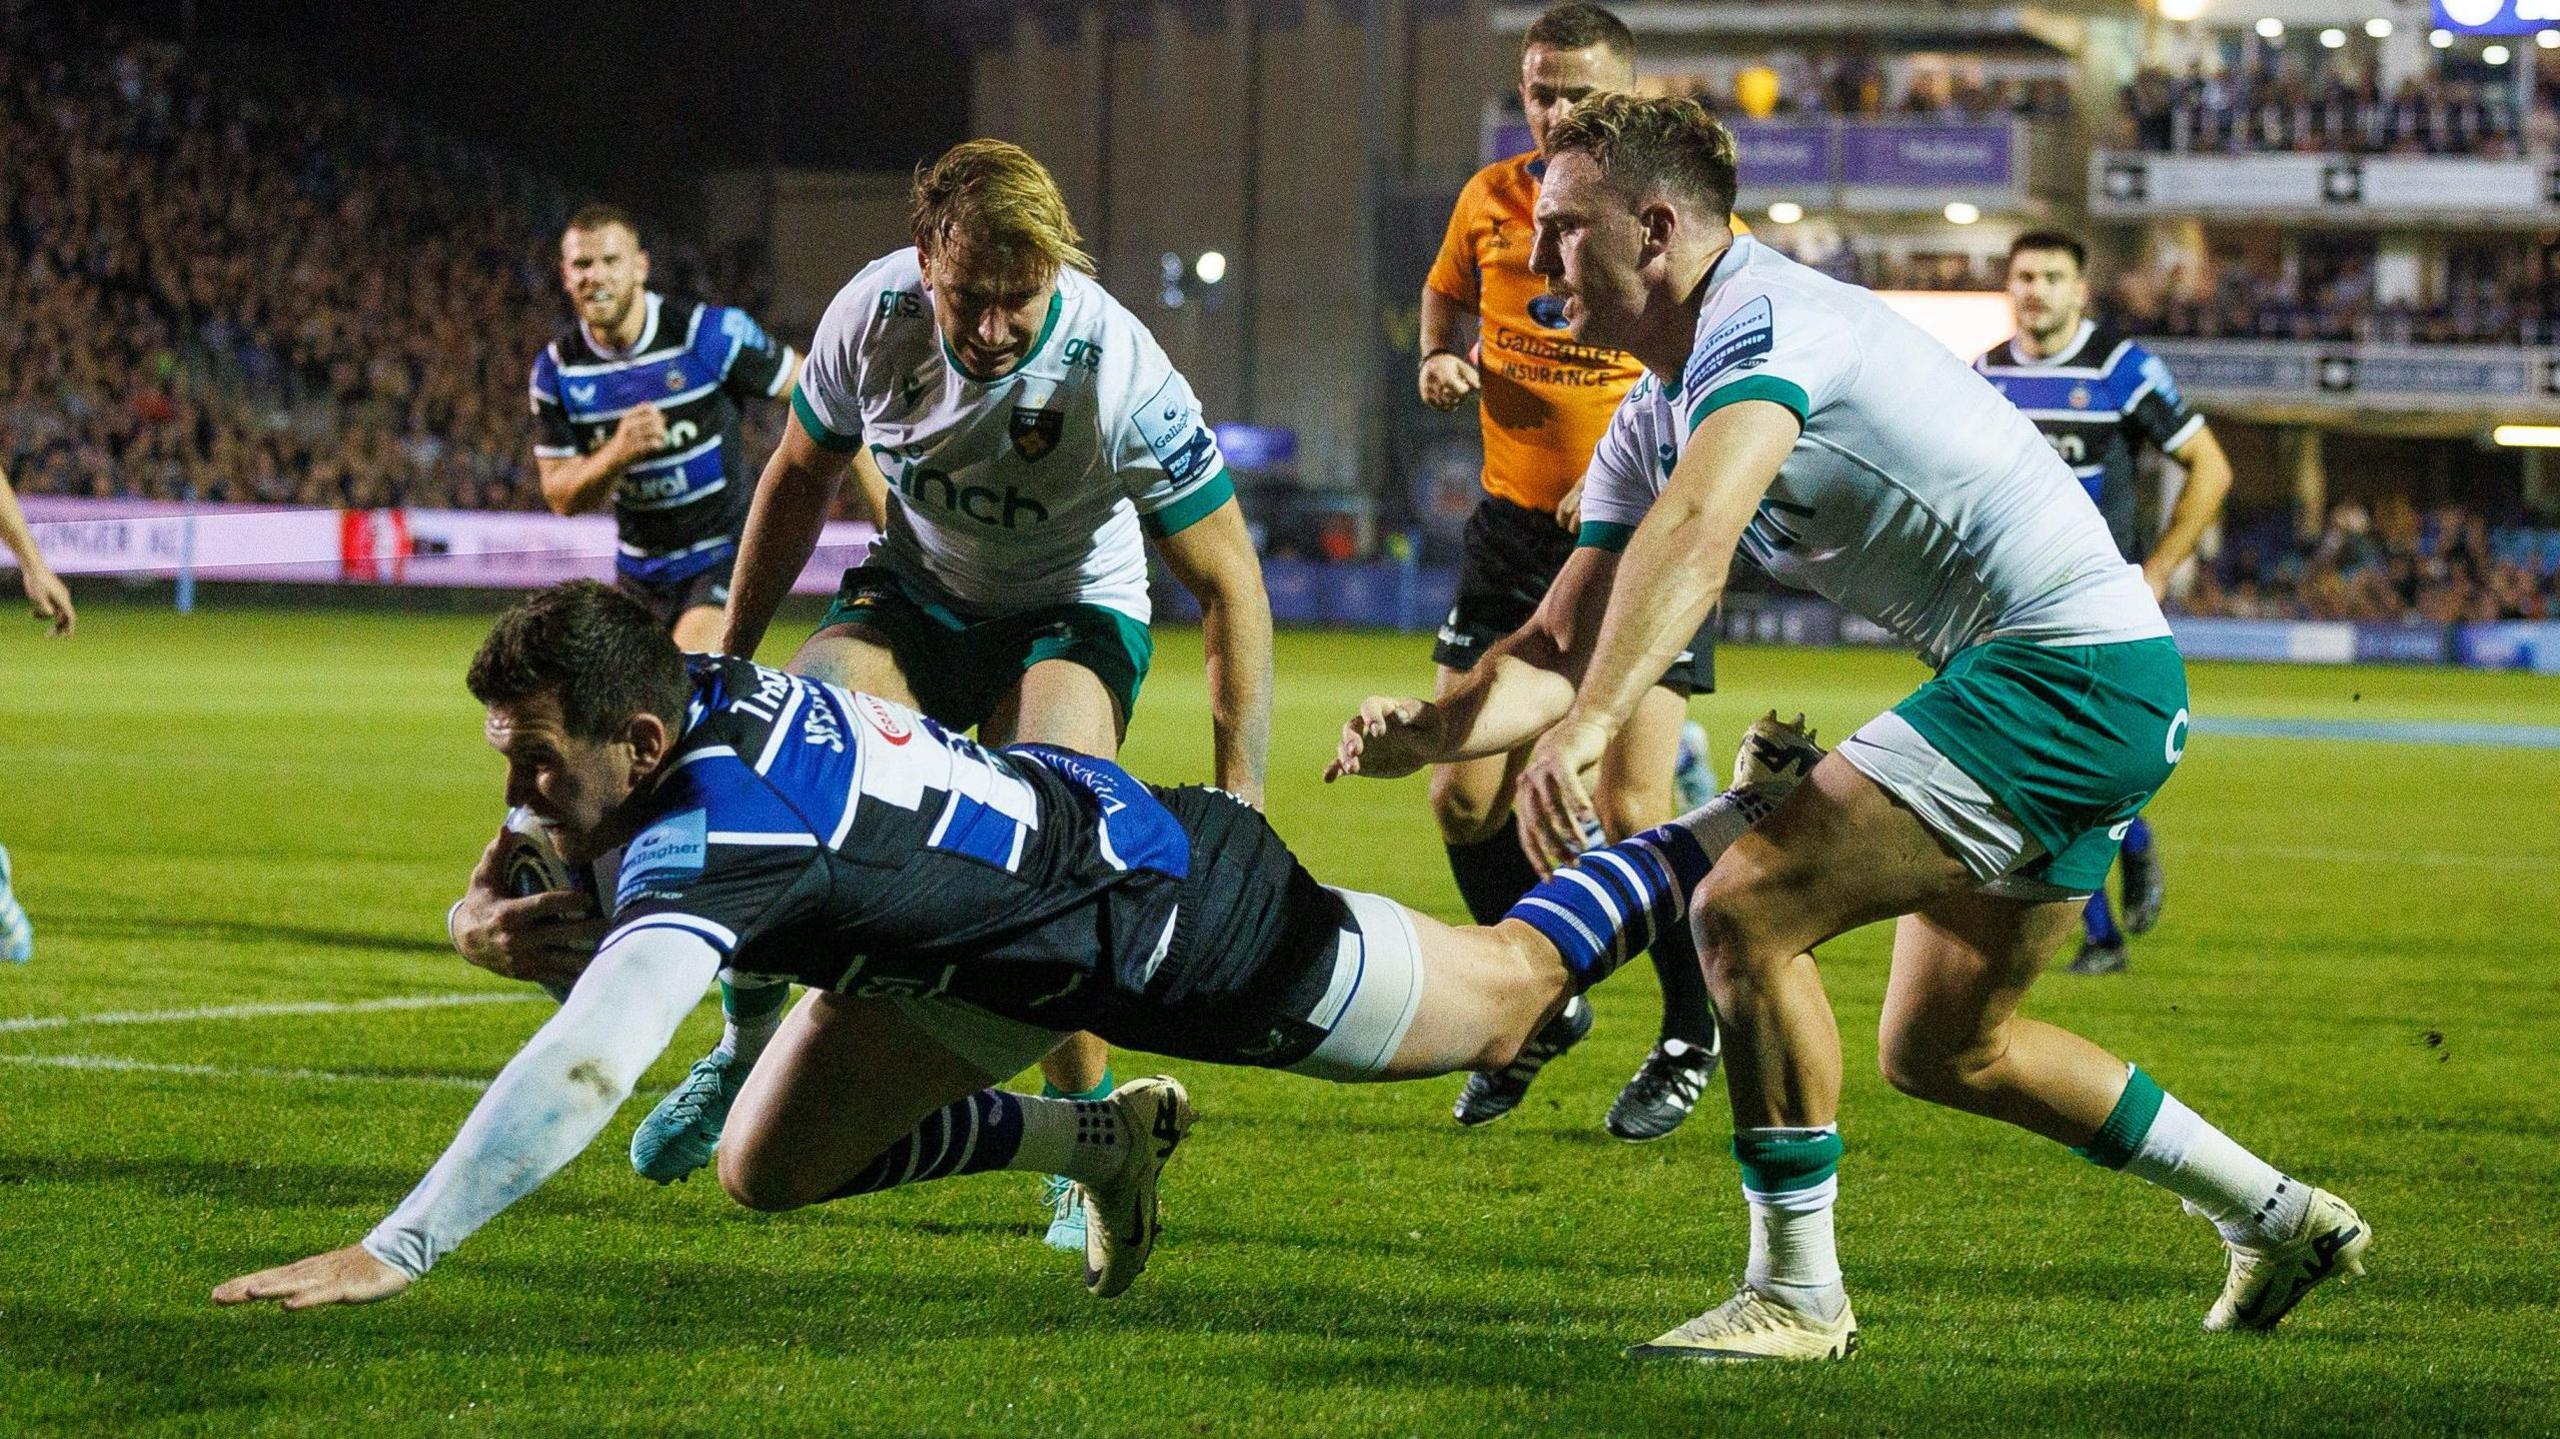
(2356, 975)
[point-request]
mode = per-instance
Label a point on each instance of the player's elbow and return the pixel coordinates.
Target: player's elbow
(560, 499)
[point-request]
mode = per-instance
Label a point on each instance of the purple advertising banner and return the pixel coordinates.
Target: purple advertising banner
(1782, 154)
(1925, 154)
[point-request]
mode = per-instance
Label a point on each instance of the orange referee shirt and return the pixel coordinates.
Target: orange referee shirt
(1546, 400)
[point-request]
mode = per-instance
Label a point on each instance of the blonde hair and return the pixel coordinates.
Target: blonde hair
(989, 192)
(1649, 146)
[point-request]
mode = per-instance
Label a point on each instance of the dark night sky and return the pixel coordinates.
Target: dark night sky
(633, 99)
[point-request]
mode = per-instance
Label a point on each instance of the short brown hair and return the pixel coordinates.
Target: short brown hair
(993, 193)
(599, 215)
(1577, 27)
(598, 649)
(2052, 240)
(1645, 147)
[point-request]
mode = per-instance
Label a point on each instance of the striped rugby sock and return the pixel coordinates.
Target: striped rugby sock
(1610, 904)
(997, 1129)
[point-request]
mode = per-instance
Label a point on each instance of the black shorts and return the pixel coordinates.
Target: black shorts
(1253, 947)
(1512, 554)
(668, 602)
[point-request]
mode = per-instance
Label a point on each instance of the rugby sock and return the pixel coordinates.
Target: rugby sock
(1493, 872)
(2137, 838)
(1615, 900)
(2100, 921)
(1101, 1090)
(1688, 1017)
(750, 1011)
(1792, 1179)
(996, 1129)
(2150, 1135)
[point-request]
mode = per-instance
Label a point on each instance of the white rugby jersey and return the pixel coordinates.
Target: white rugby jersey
(1916, 496)
(1028, 489)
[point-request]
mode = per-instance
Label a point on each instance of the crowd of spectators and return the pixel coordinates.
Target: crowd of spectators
(2392, 563)
(250, 297)
(1858, 85)
(2335, 300)
(2330, 109)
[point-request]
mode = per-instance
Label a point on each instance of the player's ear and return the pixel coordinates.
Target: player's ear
(1658, 222)
(649, 739)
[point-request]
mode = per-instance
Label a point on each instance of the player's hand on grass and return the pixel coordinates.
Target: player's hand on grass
(545, 938)
(51, 600)
(1447, 380)
(1569, 509)
(341, 1276)
(1388, 739)
(642, 433)
(1554, 797)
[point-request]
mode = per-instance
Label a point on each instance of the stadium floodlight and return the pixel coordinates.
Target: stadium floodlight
(2181, 10)
(2270, 28)
(1960, 212)
(2333, 38)
(1211, 267)
(2441, 39)
(2378, 27)
(2494, 55)
(1785, 212)
(2527, 437)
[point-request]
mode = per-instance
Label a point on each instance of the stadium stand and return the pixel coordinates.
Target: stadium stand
(283, 297)
(2329, 108)
(2391, 563)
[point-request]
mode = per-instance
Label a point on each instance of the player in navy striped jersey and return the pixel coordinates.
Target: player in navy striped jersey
(2099, 398)
(953, 910)
(636, 405)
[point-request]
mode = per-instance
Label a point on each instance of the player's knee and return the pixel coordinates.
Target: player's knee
(1466, 813)
(1731, 949)
(1926, 1067)
(764, 1187)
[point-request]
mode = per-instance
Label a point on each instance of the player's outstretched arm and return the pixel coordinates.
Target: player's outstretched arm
(793, 496)
(2199, 504)
(1511, 695)
(1213, 558)
(547, 1104)
(45, 591)
(1671, 573)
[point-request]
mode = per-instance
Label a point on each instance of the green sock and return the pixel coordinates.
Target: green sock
(750, 1012)
(1101, 1090)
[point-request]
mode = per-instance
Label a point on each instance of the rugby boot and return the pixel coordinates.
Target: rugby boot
(1665, 1088)
(1751, 1326)
(2267, 1280)
(1120, 1219)
(1492, 1093)
(17, 932)
(1691, 780)
(2099, 958)
(682, 1132)
(1059, 1196)
(2144, 887)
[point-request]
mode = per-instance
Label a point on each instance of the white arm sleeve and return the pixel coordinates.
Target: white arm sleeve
(554, 1096)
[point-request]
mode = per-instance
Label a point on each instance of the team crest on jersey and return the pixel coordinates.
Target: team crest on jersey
(675, 378)
(1036, 431)
(2079, 397)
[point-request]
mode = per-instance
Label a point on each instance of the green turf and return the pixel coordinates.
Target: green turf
(2356, 974)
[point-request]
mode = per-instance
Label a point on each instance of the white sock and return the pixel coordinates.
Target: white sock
(745, 1036)
(1794, 1258)
(2248, 1199)
(1079, 1138)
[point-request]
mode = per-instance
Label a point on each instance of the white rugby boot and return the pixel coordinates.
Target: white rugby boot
(1120, 1227)
(2266, 1281)
(1751, 1325)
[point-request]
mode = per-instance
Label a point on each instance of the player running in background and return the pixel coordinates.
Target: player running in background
(2098, 398)
(1020, 437)
(953, 910)
(52, 604)
(1803, 422)
(636, 406)
(1545, 401)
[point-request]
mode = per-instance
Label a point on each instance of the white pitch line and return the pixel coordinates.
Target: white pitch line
(115, 1064)
(26, 1023)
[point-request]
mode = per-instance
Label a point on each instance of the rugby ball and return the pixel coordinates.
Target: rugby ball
(532, 865)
